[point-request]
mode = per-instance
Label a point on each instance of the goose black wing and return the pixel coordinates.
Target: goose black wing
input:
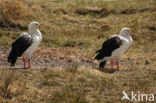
(23, 42)
(108, 47)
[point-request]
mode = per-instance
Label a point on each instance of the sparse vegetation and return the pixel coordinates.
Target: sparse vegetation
(79, 26)
(82, 86)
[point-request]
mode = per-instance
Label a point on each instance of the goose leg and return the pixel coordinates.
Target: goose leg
(29, 66)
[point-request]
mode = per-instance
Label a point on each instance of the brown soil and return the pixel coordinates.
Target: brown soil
(50, 57)
(45, 57)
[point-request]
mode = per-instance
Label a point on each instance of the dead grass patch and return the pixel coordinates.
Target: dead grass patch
(13, 12)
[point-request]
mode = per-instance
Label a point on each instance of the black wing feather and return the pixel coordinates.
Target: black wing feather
(19, 47)
(108, 47)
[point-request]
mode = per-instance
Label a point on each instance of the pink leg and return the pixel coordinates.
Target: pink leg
(112, 64)
(29, 63)
(24, 62)
(117, 65)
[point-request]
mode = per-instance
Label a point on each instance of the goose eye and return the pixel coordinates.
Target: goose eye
(127, 30)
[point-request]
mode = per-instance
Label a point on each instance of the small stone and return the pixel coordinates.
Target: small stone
(46, 60)
(137, 63)
(83, 60)
(125, 84)
(128, 58)
(61, 57)
(147, 62)
(69, 60)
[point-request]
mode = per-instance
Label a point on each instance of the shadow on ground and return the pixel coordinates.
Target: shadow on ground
(108, 70)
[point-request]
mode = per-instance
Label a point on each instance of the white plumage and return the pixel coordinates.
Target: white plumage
(36, 36)
(25, 44)
(114, 47)
(117, 53)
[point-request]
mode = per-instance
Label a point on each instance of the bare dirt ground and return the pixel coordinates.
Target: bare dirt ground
(52, 58)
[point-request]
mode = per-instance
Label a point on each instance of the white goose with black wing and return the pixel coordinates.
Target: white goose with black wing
(114, 47)
(25, 44)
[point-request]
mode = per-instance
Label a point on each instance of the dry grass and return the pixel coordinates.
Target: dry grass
(11, 84)
(77, 86)
(13, 12)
